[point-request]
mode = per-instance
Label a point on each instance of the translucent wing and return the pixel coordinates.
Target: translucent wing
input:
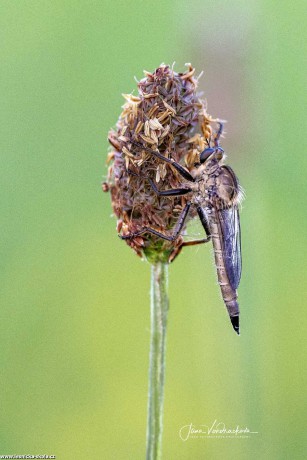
(230, 234)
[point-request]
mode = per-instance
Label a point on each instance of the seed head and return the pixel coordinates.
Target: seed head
(166, 116)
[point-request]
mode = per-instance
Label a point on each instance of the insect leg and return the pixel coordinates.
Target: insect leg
(170, 192)
(177, 250)
(194, 242)
(218, 134)
(204, 220)
(176, 232)
(184, 172)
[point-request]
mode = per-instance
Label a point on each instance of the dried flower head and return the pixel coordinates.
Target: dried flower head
(168, 117)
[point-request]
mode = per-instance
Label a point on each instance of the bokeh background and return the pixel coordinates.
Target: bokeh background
(74, 329)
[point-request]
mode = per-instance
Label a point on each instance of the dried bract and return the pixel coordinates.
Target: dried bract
(168, 117)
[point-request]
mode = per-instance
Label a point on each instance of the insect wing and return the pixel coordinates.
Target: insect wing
(230, 233)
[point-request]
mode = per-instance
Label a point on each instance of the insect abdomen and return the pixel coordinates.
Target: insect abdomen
(228, 293)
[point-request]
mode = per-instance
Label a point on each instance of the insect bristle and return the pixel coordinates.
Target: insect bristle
(240, 196)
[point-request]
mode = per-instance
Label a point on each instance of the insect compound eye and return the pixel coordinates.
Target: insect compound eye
(206, 154)
(219, 153)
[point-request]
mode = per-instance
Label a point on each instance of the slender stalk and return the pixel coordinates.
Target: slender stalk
(159, 309)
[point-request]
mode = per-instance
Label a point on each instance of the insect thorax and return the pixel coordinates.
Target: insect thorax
(216, 185)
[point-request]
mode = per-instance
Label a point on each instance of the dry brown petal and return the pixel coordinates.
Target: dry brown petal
(164, 115)
(187, 75)
(123, 138)
(170, 108)
(155, 124)
(154, 137)
(153, 110)
(139, 127)
(132, 99)
(147, 139)
(151, 95)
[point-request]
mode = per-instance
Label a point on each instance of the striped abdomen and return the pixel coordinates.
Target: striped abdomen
(225, 260)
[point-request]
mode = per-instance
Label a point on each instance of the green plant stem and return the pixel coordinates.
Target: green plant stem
(159, 310)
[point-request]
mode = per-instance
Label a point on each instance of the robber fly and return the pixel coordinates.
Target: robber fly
(216, 194)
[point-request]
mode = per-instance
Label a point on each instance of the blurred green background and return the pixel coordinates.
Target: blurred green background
(75, 299)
